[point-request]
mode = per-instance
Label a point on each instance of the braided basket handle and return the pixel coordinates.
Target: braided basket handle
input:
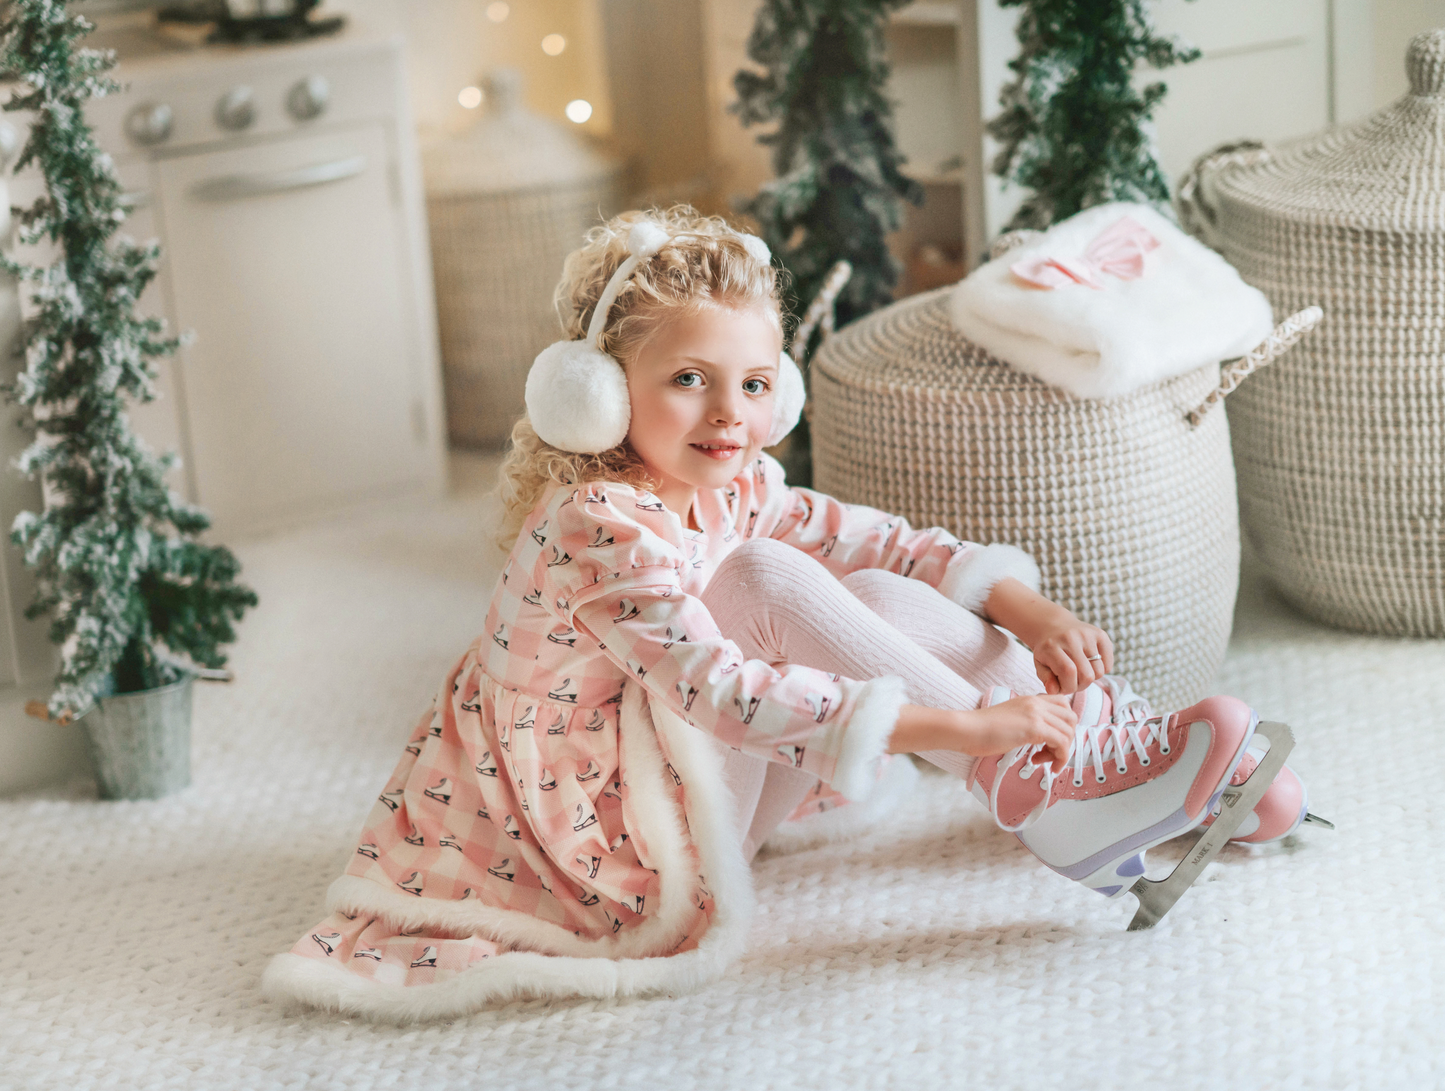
(1275, 345)
(1196, 215)
(820, 311)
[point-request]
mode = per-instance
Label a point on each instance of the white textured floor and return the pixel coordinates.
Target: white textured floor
(933, 954)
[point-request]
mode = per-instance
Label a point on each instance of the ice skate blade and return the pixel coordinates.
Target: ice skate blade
(1157, 896)
(1316, 820)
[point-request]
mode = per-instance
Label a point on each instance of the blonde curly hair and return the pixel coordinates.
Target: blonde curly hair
(708, 265)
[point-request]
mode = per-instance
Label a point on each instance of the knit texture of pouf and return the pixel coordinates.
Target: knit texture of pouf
(1128, 509)
(1340, 449)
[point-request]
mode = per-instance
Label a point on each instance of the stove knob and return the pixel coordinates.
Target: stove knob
(308, 98)
(149, 123)
(236, 108)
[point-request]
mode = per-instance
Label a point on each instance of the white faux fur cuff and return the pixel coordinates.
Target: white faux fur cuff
(969, 581)
(865, 739)
(843, 823)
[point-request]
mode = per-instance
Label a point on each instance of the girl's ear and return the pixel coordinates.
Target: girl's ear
(788, 398)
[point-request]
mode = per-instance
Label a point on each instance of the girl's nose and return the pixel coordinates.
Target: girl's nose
(725, 409)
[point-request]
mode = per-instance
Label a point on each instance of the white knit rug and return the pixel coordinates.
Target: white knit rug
(934, 954)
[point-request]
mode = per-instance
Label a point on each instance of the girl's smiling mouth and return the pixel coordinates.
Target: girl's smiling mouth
(719, 451)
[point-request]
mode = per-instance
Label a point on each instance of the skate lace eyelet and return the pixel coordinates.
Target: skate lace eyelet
(1078, 784)
(1164, 748)
(1143, 761)
(1101, 779)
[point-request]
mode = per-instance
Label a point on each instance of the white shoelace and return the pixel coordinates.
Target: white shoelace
(1132, 727)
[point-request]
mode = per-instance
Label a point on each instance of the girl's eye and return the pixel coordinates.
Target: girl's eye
(761, 386)
(688, 375)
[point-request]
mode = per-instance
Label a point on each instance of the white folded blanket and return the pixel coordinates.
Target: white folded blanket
(1186, 307)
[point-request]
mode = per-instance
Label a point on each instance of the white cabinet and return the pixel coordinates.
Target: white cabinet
(303, 388)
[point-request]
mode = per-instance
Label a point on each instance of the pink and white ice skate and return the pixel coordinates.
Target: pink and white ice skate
(1283, 809)
(1149, 778)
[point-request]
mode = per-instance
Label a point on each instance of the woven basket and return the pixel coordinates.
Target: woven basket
(1128, 505)
(1340, 450)
(507, 201)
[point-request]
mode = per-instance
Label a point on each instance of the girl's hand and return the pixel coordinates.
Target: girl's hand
(1070, 654)
(1023, 721)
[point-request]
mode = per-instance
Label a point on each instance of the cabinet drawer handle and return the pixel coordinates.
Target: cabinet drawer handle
(232, 186)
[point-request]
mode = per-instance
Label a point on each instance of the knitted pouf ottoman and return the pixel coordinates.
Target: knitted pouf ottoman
(1127, 504)
(1341, 449)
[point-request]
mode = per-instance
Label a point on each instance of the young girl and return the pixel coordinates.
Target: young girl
(683, 653)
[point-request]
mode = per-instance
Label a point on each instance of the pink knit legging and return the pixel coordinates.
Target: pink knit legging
(780, 605)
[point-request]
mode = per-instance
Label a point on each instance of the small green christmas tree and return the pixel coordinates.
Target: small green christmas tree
(116, 563)
(838, 189)
(1073, 125)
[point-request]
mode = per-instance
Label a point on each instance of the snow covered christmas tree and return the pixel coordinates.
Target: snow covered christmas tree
(117, 563)
(1074, 126)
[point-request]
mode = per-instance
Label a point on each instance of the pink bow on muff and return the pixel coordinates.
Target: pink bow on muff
(1118, 250)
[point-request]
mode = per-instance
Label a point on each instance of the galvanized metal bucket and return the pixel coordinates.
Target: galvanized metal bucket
(140, 743)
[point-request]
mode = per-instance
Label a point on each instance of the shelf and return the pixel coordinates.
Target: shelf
(932, 13)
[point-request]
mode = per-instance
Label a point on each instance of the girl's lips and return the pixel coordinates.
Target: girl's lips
(721, 455)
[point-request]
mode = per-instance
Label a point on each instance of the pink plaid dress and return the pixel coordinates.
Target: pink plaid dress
(553, 826)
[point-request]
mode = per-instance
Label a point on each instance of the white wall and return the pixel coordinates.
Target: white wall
(1395, 23)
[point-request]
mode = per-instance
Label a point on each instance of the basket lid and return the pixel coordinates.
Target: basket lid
(510, 148)
(1387, 171)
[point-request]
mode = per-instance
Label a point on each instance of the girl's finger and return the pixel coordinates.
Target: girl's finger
(1106, 649)
(1066, 672)
(1047, 677)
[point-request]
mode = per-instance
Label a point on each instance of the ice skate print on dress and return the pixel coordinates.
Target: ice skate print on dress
(594, 498)
(535, 598)
(412, 884)
(327, 941)
(414, 838)
(414, 747)
(583, 819)
(548, 781)
(392, 798)
(819, 703)
(637, 668)
(592, 772)
(428, 958)
(908, 568)
(448, 841)
(565, 692)
(636, 904)
(562, 605)
(511, 829)
(504, 737)
(697, 559)
(794, 754)
(829, 545)
(616, 922)
(760, 472)
(617, 842)
(752, 522)
(673, 774)
(504, 870)
(473, 703)
(540, 538)
(482, 812)
(528, 720)
(615, 699)
(521, 796)
(749, 709)
(601, 539)
(500, 636)
(649, 503)
(626, 611)
(566, 636)
(368, 850)
(558, 558)
(614, 790)
(688, 692)
(558, 726)
(673, 639)
(588, 899)
(441, 792)
(468, 893)
(486, 766)
(590, 864)
(596, 721)
(367, 952)
(435, 731)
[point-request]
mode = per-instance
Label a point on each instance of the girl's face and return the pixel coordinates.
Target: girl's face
(702, 397)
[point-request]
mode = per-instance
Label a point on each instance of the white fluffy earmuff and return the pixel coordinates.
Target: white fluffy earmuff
(577, 396)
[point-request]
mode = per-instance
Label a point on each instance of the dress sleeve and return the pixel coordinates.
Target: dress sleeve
(627, 595)
(848, 537)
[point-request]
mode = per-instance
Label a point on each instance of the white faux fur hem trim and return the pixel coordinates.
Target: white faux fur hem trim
(865, 739)
(853, 820)
(293, 979)
(969, 582)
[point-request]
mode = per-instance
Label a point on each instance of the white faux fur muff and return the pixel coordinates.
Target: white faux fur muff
(1188, 308)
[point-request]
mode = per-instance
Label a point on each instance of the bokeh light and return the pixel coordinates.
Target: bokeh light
(579, 110)
(553, 44)
(498, 11)
(470, 97)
